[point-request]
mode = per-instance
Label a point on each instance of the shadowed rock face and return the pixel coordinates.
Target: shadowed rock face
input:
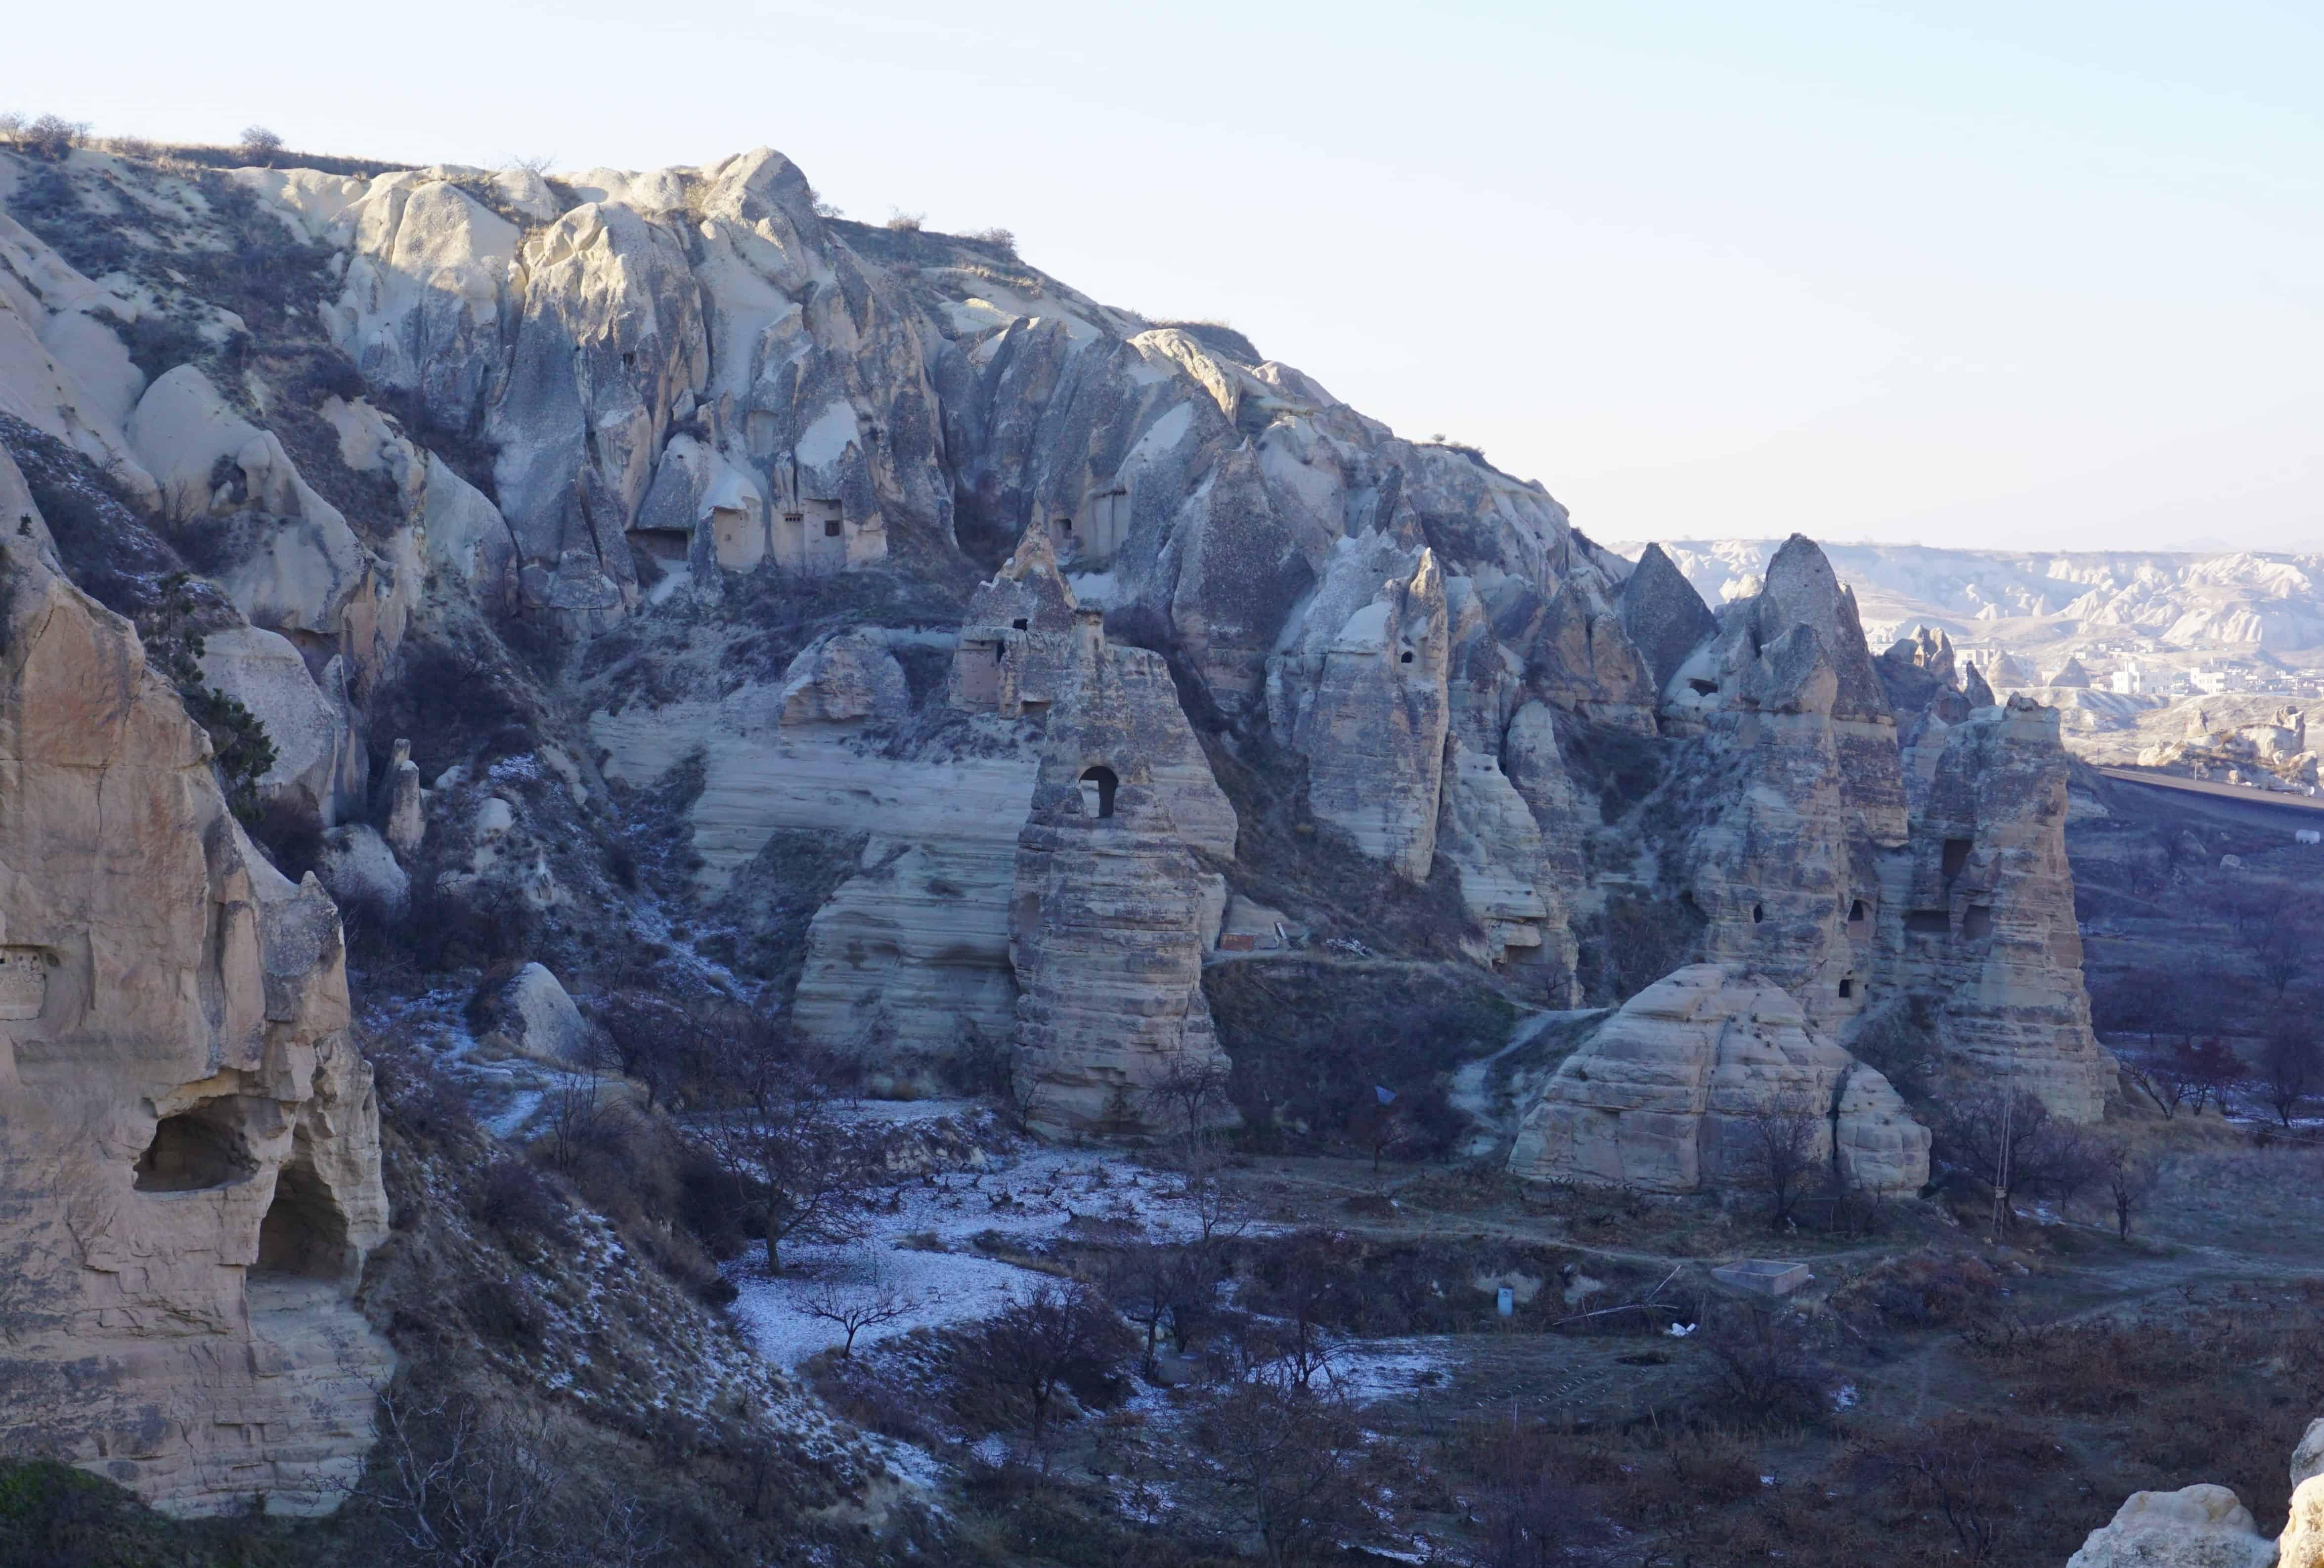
(190, 1178)
(1666, 618)
(1670, 1094)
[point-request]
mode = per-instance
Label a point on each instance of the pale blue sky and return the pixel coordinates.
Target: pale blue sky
(2047, 273)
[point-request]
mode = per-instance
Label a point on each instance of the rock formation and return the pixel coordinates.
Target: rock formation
(1977, 912)
(2197, 1526)
(1673, 1092)
(1105, 932)
(190, 1178)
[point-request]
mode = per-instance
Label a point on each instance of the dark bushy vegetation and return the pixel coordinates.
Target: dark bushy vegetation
(1313, 1042)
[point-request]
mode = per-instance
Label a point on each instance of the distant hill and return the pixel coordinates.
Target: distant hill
(2228, 599)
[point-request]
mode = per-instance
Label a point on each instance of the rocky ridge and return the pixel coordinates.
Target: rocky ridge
(864, 624)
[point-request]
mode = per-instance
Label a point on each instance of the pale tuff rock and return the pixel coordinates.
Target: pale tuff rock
(1580, 658)
(1536, 771)
(1028, 646)
(2071, 674)
(1978, 912)
(1105, 934)
(1801, 590)
(320, 758)
(360, 872)
(531, 1013)
(2197, 1526)
(846, 679)
(1364, 699)
(193, 1163)
(610, 334)
(62, 369)
(1666, 1095)
(1774, 873)
(460, 532)
(1489, 835)
(407, 821)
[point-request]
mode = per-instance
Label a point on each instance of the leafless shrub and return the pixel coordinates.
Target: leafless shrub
(1000, 239)
(1765, 1370)
(2130, 1178)
(1967, 1472)
(1062, 1335)
(455, 1484)
(260, 145)
(2290, 1064)
(786, 1143)
(52, 136)
(1282, 1457)
(2015, 1147)
(869, 1297)
(1785, 1138)
(574, 1108)
(533, 162)
(902, 222)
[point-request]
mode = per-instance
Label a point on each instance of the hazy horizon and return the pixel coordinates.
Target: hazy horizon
(1961, 278)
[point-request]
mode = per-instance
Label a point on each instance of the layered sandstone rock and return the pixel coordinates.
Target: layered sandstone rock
(1105, 937)
(1670, 1094)
(1978, 909)
(191, 1177)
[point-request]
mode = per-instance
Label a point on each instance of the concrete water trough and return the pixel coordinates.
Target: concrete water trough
(1763, 1275)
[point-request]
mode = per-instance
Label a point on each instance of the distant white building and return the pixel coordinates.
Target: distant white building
(2211, 682)
(2131, 680)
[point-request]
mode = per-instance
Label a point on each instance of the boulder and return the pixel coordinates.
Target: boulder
(847, 678)
(530, 1012)
(360, 872)
(319, 757)
(1669, 1094)
(2197, 1526)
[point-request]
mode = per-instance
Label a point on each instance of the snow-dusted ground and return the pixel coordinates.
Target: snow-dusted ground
(926, 1248)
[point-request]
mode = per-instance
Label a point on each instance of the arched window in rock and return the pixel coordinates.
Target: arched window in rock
(1098, 785)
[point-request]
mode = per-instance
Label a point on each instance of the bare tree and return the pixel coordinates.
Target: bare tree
(871, 1299)
(575, 1108)
(1530, 1513)
(456, 1485)
(52, 136)
(2290, 1063)
(2278, 929)
(653, 1039)
(1190, 1098)
(1282, 1454)
(2130, 1180)
(2018, 1148)
(1787, 1137)
(1035, 1346)
(260, 145)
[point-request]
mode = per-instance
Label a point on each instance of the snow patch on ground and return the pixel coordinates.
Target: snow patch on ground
(926, 1248)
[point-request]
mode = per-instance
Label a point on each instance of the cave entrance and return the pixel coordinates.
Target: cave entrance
(303, 1234)
(1098, 786)
(196, 1151)
(1956, 857)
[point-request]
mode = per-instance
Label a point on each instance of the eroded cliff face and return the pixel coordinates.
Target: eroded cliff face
(190, 1177)
(1978, 915)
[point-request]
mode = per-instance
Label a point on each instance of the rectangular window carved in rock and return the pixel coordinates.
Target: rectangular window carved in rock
(23, 982)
